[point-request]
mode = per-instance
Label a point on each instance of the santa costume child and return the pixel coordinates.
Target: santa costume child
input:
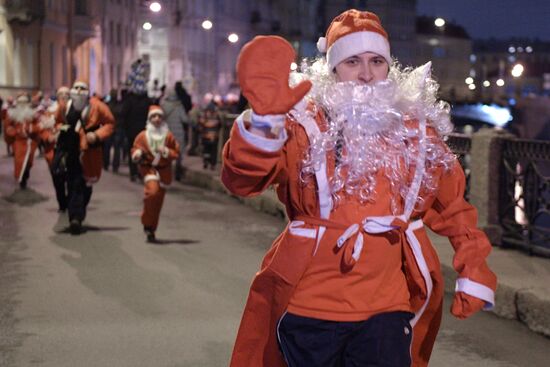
(154, 150)
(23, 128)
(355, 148)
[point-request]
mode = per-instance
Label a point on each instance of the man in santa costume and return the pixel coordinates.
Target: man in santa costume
(154, 150)
(84, 124)
(23, 128)
(50, 132)
(355, 149)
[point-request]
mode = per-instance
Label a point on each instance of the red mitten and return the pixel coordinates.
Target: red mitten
(263, 68)
(465, 305)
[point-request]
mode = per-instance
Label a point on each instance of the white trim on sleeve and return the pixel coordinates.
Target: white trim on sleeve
(266, 144)
(477, 290)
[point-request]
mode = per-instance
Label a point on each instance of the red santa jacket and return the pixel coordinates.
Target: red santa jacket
(251, 164)
(25, 136)
(155, 164)
(96, 118)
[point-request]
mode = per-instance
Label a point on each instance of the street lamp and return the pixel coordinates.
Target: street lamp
(469, 80)
(147, 26)
(233, 38)
(517, 70)
(500, 82)
(155, 7)
(207, 24)
(439, 22)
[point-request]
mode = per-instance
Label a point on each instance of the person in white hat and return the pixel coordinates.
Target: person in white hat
(153, 150)
(355, 148)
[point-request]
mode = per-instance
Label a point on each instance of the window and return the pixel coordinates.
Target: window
(111, 32)
(52, 66)
(118, 34)
(64, 64)
(80, 7)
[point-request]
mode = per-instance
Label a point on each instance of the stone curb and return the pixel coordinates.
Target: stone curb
(530, 306)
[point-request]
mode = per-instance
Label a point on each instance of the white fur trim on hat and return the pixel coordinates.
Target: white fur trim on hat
(153, 111)
(356, 43)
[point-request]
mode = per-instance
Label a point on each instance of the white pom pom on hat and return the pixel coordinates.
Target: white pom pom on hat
(322, 44)
(354, 32)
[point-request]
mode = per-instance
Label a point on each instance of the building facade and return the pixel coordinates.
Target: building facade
(495, 59)
(45, 44)
(449, 49)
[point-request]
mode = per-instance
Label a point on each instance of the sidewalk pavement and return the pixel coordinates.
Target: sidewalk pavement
(523, 292)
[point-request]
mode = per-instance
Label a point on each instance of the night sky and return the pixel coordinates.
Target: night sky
(494, 18)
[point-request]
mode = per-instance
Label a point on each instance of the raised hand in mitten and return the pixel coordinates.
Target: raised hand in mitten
(263, 69)
(465, 305)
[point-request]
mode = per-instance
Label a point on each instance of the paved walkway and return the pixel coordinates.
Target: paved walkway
(524, 281)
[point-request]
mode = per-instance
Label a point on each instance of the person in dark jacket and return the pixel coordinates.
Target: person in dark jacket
(115, 141)
(134, 114)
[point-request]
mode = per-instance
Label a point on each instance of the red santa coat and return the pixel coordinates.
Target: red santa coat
(49, 132)
(25, 136)
(96, 118)
(251, 164)
(150, 165)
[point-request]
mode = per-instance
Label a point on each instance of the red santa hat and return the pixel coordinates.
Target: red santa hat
(354, 32)
(154, 109)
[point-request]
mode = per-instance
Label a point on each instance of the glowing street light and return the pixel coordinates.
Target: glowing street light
(472, 86)
(500, 82)
(233, 38)
(486, 83)
(155, 7)
(469, 80)
(147, 26)
(207, 24)
(517, 70)
(439, 22)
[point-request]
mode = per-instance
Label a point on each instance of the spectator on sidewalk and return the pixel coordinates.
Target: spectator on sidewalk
(209, 127)
(176, 118)
(134, 114)
(115, 141)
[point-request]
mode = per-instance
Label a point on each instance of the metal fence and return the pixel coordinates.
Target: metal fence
(524, 195)
(461, 145)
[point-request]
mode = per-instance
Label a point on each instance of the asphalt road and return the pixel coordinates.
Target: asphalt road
(107, 298)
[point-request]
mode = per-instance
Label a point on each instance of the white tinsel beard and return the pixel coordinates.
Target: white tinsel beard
(157, 132)
(367, 134)
(21, 113)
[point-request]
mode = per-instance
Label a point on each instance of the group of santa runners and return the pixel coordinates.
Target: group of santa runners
(70, 132)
